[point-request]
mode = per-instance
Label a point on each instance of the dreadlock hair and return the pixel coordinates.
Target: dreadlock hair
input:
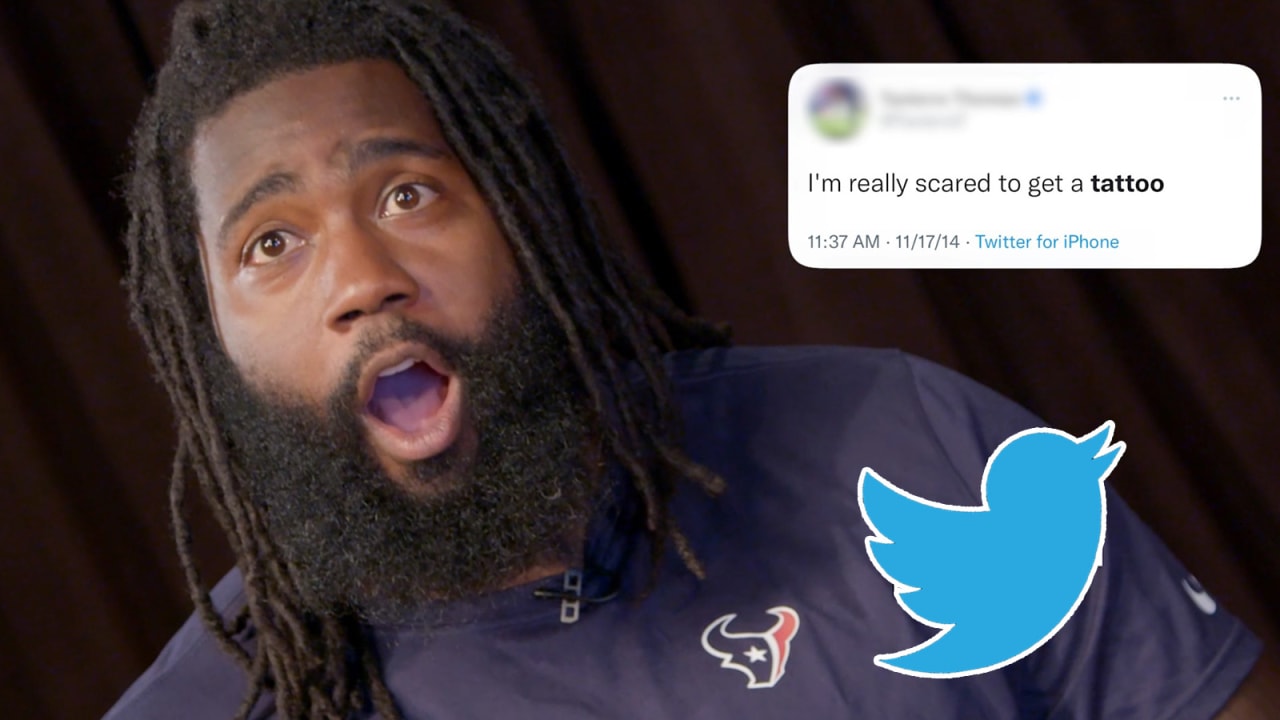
(322, 665)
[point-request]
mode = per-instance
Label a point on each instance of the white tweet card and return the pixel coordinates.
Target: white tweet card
(1025, 165)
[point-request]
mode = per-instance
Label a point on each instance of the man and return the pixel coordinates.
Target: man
(471, 466)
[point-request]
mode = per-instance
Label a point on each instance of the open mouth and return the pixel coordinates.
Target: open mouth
(411, 404)
(406, 396)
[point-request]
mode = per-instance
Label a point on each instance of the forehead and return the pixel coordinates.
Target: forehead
(305, 118)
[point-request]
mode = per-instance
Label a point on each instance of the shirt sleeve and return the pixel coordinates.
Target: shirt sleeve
(1147, 642)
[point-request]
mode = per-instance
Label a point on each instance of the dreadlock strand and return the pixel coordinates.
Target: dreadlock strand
(257, 685)
(686, 553)
(195, 588)
(605, 255)
(682, 464)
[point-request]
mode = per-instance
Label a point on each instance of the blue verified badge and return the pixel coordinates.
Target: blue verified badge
(1000, 579)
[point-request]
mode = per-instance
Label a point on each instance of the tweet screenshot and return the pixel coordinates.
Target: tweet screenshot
(1025, 166)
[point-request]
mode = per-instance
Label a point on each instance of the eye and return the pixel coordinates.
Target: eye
(270, 246)
(406, 198)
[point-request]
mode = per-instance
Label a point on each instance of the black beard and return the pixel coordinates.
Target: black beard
(357, 542)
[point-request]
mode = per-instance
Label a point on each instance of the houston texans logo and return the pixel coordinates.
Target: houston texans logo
(761, 656)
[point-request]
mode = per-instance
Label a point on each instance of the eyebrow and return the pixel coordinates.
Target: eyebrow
(274, 184)
(363, 154)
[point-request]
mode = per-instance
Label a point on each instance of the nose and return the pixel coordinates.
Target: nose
(366, 277)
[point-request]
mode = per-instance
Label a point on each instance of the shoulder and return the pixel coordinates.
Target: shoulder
(843, 408)
(191, 677)
(941, 395)
(692, 366)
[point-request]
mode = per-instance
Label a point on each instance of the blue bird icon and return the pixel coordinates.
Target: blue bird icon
(1000, 579)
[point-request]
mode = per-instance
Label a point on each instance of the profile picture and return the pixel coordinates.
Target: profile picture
(838, 109)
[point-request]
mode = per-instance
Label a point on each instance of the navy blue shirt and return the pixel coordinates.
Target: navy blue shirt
(790, 430)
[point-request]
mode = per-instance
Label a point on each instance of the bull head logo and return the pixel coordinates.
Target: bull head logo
(761, 656)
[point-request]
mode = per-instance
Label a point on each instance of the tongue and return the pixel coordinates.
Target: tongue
(408, 399)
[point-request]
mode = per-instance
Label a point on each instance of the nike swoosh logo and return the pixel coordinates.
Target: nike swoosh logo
(1201, 598)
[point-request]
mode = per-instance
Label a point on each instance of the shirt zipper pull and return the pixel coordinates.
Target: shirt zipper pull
(571, 601)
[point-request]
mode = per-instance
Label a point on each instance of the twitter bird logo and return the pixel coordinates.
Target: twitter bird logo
(997, 580)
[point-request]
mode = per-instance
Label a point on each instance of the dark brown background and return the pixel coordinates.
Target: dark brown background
(674, 110)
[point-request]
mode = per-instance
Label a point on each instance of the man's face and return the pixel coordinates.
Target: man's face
(330, 205)
(398, 404)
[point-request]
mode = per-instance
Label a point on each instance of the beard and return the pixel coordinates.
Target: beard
(356, 541)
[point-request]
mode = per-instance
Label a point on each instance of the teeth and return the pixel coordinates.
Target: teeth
(398, 368)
